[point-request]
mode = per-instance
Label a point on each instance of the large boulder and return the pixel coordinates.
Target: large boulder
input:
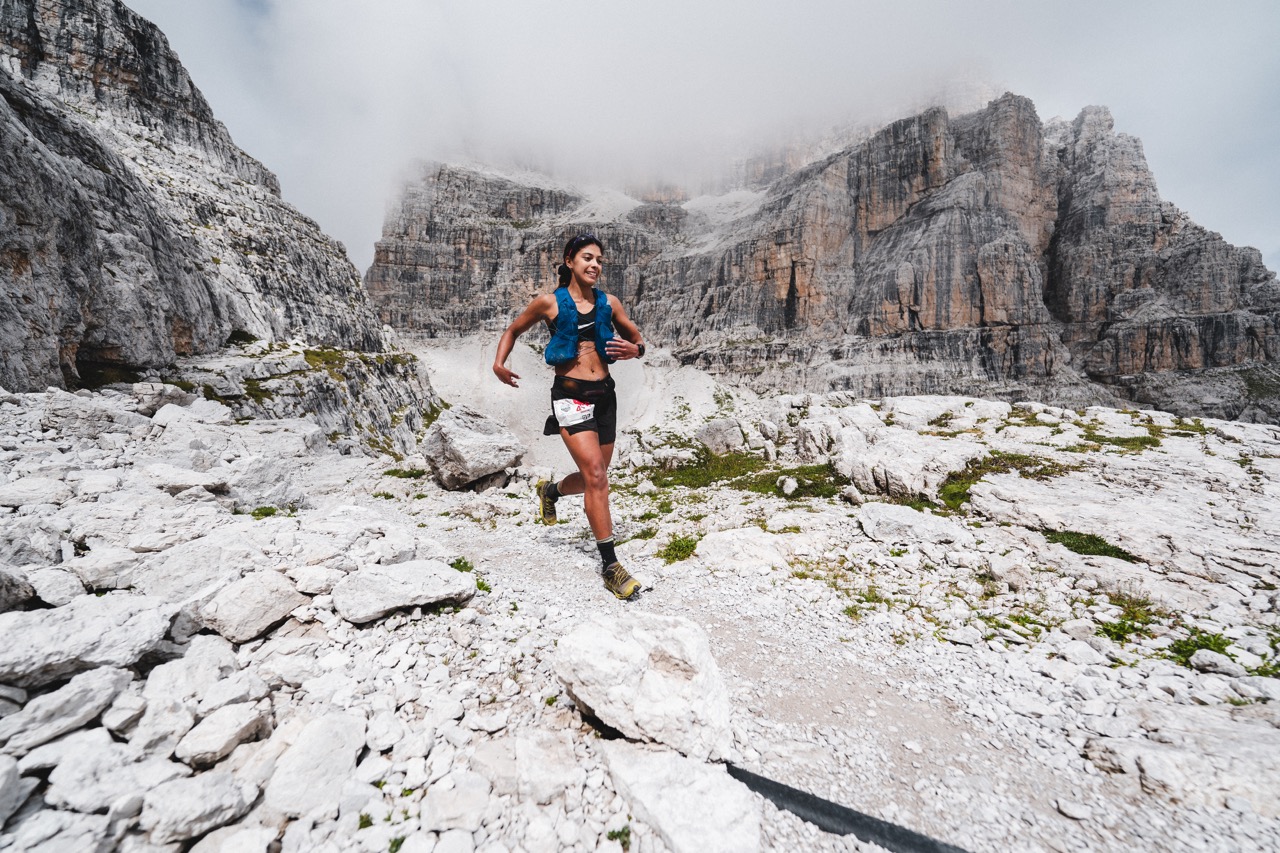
(41, 646)
(66, 709)
(463, 446)
(251, 606)
(373, 592)
(309, 776)
(650, 677)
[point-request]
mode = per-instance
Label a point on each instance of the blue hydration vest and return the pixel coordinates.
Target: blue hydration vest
(563, 347)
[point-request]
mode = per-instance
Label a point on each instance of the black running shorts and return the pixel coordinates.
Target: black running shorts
(582, 405)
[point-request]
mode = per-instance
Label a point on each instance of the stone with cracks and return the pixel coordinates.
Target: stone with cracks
(650, 677)
(16, 589)
(34, 490)
(694, 807)
(896, 524)
(188, 808)
(721, 436)
(220, 732)
(310, 774)
(463, 445)
(99, 771)
(13, 788)
(41, 646)
(251, 606)
(538, 767)
(458, 801)
(746, 549)
(373, 592)
(65, 709)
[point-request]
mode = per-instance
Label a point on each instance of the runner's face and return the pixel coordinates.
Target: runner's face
(587, 264)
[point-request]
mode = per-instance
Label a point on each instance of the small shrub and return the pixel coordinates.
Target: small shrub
(365, 821)
(1182, 650)
(462, 564)
(549, 701)
(679, 548)
(483, 585)
(405, 473)
(622, 836)
(264, 512)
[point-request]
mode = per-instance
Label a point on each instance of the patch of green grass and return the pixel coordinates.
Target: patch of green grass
(679, 548)
(549, 701)
(1132, 443)
(812, 481)
(396, 843)
(708, 469)
(483, 585)
(1182, 650)
(365, 821)
(645, 533)
(649, 515)
(955, 490)
(264, 512)
(405, 473)
(462, 564)
(386, 496)
(1088, 544)
(1137, 613)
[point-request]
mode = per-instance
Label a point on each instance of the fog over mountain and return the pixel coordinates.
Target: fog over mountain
(338, 103)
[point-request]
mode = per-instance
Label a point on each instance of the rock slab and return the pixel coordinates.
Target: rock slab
(373, 592)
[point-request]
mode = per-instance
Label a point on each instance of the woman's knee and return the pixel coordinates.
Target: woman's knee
(595, 477)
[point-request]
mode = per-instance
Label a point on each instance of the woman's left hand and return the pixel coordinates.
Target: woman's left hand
(620, 350)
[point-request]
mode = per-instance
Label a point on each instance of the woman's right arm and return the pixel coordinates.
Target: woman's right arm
(541, 308)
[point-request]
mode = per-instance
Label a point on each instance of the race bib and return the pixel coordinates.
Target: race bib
(570, 412)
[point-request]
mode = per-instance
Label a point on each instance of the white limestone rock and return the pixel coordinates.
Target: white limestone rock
(1207, 660)
(55, 587)
(721, 436)
(222, 731)
(652, 678)
(536, 767)
(463, 445)
(14, 789)
(694, 807)
(251, 606)
(373, 592)
(99, 771)
(68, 708)
(27, 491)
(310, 774)
(458, 801)
(894, 524)
(745, 549)
(16, 589)
(40, 646)
(173, 479)
(187, 808)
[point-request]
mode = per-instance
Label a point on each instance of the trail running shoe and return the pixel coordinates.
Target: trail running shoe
(546, 506)
(619, 581)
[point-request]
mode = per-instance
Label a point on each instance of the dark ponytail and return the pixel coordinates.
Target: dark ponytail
(564, 274)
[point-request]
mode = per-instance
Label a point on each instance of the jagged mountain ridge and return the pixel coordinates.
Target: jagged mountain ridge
(135, 230)
(987, 254)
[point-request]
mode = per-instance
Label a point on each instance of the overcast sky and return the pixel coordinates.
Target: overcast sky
(339, 97)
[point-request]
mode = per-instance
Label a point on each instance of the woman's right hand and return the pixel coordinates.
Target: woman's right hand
(506, 376)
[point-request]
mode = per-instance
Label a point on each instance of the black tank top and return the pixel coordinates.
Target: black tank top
(587, 326)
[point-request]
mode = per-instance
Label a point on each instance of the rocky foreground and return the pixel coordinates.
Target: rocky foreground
(1007, 627)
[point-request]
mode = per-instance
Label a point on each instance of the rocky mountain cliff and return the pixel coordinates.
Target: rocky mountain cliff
(988, 254)
(134, 233)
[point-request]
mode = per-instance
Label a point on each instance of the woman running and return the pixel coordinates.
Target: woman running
(583, 404)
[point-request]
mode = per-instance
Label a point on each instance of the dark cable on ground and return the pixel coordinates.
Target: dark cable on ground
(840, 820)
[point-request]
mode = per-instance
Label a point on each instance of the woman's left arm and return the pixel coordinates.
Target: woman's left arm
(633, 346)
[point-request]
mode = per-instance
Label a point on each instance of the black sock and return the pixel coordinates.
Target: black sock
(553, 491)
(606, 551)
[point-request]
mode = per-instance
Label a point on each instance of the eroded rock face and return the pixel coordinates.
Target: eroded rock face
(987, 254)
(134, 230)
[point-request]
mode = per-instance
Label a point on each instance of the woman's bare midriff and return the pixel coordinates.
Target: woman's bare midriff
(588, 364)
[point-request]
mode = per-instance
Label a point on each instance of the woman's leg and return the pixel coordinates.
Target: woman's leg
(591, 480)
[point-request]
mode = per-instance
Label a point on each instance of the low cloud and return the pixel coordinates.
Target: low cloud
(339, 99)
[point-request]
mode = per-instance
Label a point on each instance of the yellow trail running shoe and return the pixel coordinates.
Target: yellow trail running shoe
(619, 581)
(546, 505)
